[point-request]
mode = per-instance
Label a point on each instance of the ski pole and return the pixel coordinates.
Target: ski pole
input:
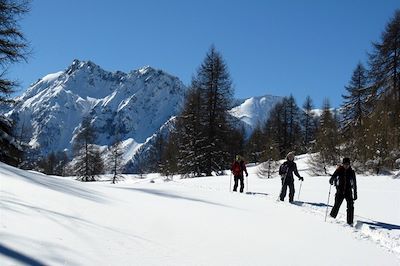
(247, 184)
(327, 204)
(298, 196)
(230, 182)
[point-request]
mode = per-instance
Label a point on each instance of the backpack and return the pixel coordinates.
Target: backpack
(283, 169)
(236, 169)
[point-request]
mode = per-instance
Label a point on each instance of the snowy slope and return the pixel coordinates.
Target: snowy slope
(57, 221)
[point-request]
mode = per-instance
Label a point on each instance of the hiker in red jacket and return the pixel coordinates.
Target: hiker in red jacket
(237, 169)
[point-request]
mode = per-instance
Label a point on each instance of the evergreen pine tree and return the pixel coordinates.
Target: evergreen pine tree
(328, 142)
(191, 135)
(115, 159)
(204, 126)
(385, 94)
(13, 48)
(354, 112)
(169, 160)
(283, 127)
(294, 128)
(255, 147)
(308, 124)
(216, 92)
(88, 158)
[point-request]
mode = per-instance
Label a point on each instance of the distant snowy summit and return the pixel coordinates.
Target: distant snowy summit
(137, 106)
(255, 110)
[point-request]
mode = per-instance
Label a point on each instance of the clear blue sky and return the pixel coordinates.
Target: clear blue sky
(280, 47)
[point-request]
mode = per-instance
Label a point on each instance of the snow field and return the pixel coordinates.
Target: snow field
(48, 220)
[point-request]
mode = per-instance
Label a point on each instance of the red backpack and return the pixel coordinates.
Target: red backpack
(236, 169)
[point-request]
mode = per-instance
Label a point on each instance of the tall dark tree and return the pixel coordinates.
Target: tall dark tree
(115, 159)
(169, 159)
(354, 111)
(275, 128)
(215, 90)
(236, 143)
(283, 127)
(328, 142)
(255, 147)
(294, 128)
(191, 134)
(385, 78)
(13, 48)
(88, 158)
(308, 124)
(385, 61)
(353, 108)
(48, 164)
(62, 161)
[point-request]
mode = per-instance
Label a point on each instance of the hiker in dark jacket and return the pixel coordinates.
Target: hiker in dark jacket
(286, 171)
(238, 167)
(344, 178)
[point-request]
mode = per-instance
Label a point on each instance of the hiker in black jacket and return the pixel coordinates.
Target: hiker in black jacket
(344, 178)
(286, 171)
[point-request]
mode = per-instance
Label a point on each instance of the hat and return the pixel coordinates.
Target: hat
(237, 157)
(290, 154)
(346, 160)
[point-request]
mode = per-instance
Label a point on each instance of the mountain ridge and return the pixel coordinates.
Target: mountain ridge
(136, 106)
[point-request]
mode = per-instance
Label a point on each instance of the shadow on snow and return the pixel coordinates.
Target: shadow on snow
(372, 223)
(315, 204)
(18, 256)
(174, 196)
(380, 225)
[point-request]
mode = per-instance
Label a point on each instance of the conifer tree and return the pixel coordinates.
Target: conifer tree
(308, 124)
(204, 125)
(354, 111)
(88, 158)
(294, 128)
(328, 142)
(385, 61)
(283, 127)
(115, 159)
(216, 92)
(256, 145)
(384, 125)
(13, 48)
(169, 159)
(191, 135)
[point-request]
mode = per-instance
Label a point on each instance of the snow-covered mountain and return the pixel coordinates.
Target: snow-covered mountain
(137, 106)
(254, 111)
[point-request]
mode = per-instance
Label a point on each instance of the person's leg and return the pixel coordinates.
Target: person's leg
(350, 209)
(338, 201)
(291, 191)
(236, 183)
(241, 184)
(283, 190)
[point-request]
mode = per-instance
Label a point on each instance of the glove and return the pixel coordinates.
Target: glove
(355, 196)
(301, 178)
(331, 181)
(247, 174)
